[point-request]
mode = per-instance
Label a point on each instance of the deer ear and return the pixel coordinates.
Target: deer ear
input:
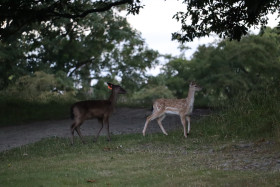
(110, 85)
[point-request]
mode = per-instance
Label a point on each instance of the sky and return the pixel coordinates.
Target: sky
(156, 25)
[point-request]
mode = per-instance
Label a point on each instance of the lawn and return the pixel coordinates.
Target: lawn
(133, 160)
(238, 146)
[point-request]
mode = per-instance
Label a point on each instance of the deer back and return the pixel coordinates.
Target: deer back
(92, 109)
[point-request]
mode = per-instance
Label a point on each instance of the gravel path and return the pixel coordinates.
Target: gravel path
(123, 121)
(263, 155)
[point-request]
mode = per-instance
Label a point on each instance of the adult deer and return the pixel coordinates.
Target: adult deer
(181, 107)
(100, 109)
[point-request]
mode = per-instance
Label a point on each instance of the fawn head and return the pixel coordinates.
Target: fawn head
(195, 86)
(116, 88)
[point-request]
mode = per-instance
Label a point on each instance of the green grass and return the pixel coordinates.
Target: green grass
(247, 116)
(203, 159)
(19, 111)
(129, 160)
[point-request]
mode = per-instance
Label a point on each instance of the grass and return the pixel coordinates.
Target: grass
(247, 116)
(16, 111)
(209, 157)
(129, 160)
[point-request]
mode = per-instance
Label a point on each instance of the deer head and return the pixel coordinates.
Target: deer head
(195, 86)
(116, 88)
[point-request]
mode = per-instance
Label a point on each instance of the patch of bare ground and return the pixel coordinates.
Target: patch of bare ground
(262, 155)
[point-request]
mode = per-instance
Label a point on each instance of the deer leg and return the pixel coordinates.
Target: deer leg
(160, 124)
(106, 120)
(149, 118)
(79, 133)
(183, 121)
(189, 124)
(101, 122)
(74, 127)
(72, 132)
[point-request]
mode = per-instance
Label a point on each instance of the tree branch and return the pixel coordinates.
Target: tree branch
(106, 6)
(19, 16)
(79, 65)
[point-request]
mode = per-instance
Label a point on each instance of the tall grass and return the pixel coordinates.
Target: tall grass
(246, 116)
(18, 111)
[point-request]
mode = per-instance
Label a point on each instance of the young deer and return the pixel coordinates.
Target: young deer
(181, 107)
(100, 109)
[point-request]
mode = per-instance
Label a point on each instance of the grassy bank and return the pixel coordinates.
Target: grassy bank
(247, 116)
(133, 160)
(237, 146)
(15, 111)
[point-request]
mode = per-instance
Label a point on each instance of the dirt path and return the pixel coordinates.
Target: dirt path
(123, 121)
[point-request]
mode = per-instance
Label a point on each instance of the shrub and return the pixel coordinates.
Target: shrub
(246, 116)
(40, 87)
(147, 95)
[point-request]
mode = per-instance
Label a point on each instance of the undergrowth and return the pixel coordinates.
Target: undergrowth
(17, 111)
(246, 116)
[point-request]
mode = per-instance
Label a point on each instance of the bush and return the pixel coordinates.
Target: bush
(146, 96)
(246, 116)
(40, 87)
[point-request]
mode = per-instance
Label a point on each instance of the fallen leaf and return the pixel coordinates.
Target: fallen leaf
(91, 180)
(107, 148)
(261, 140)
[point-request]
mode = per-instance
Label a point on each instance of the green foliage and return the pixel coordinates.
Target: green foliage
(15, 111)
(229, 67)
(228, 19)
(40, 87)
(21, 17)
(246, 116)
(100, 45)
(36, 97)
(147, 95)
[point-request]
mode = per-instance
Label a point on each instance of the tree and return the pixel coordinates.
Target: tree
(17, 17)
(40, 87)
(227, 18)
(100, 45)
(230, 68)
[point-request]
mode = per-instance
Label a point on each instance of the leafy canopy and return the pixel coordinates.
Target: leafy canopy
(20, 16)
(100, 45)
(227, 18)
(229, 68)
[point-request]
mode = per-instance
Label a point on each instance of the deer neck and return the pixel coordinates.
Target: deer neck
(113, 98)
(190, 100)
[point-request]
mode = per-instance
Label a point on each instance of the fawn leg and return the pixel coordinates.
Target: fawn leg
(160, 124)
(183, 121)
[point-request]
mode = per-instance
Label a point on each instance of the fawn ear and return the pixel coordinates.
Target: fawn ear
(191, 83)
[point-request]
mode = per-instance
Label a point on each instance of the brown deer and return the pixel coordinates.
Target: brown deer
(100, 109)
(181, 107)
